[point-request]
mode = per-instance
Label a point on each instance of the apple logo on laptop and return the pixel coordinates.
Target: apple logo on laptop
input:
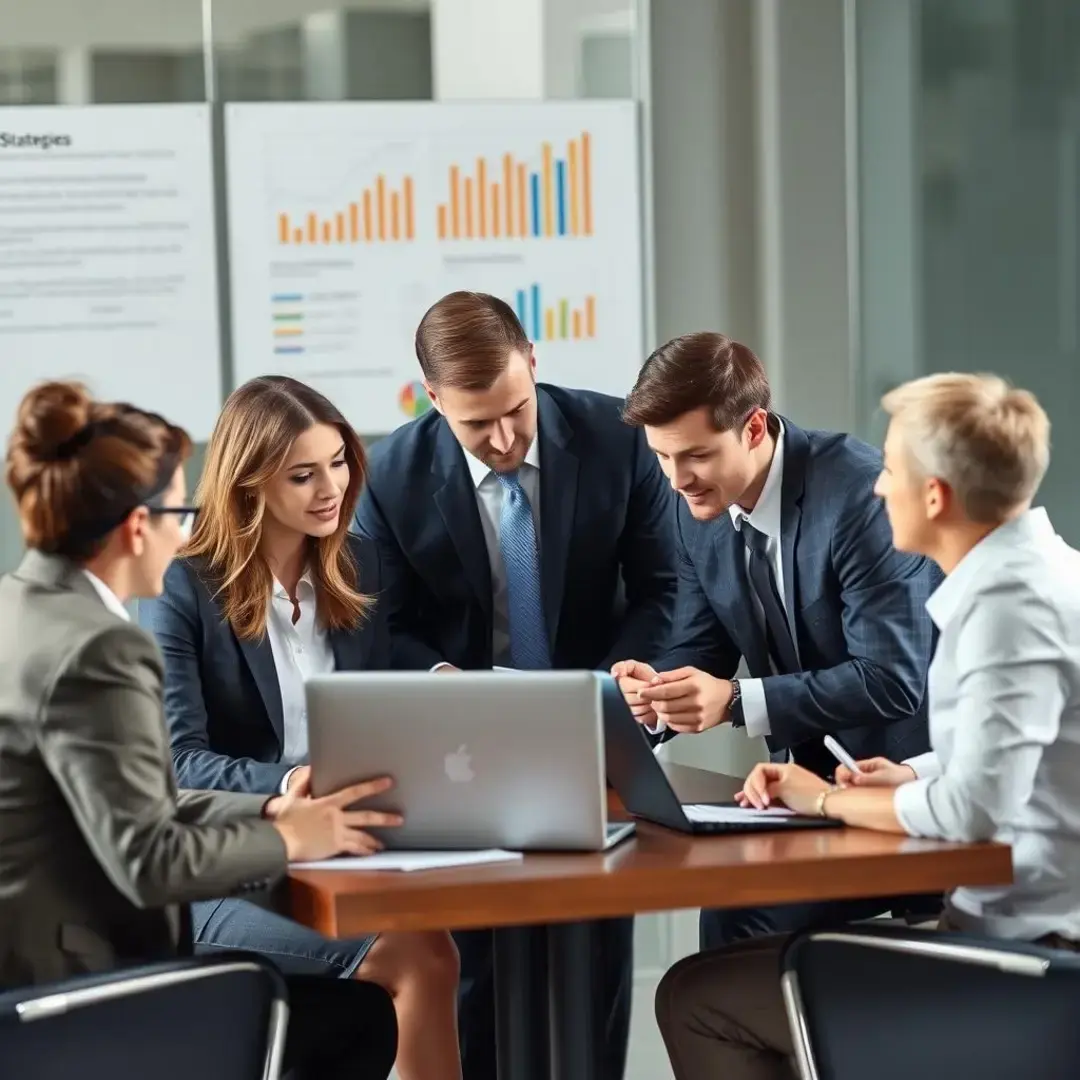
(458, 766)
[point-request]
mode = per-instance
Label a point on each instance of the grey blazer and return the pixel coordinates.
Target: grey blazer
(99, 852)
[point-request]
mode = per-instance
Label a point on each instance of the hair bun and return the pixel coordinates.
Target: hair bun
(50, 415)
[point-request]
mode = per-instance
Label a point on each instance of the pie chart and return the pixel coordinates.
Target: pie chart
(413, 399)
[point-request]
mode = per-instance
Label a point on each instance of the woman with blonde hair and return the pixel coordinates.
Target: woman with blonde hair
(271, 589)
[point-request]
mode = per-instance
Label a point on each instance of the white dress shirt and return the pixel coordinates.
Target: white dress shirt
(108, 597)
(765, 517)
(300, 649)
(1004, 705)
(489, 500)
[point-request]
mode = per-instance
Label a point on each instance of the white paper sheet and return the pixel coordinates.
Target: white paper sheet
(412, 860)
(699, 812)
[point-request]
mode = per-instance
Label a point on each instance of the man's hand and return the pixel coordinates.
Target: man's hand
(632, 676)
(787, 785)
(876, 772)
(688, 700)
(445, 668)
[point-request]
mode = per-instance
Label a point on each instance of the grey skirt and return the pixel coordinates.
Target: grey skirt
(294, 949)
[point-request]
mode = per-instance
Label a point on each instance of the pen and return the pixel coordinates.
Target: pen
(841, 754)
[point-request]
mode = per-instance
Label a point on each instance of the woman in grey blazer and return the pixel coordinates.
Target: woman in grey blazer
(272, 588)
(100, 854)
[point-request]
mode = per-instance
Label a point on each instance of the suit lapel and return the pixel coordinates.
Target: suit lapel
(559, 468)
(351, 647)
(260, 659)
(455, 498)
(796, 451)
(747, 634)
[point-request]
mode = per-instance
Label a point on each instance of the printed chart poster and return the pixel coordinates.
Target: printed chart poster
(107, 257)
(348, 220)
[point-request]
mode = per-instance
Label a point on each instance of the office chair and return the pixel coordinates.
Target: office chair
(215, 1018)
(899, 1004)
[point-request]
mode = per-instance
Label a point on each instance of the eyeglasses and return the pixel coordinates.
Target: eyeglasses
(186, 514)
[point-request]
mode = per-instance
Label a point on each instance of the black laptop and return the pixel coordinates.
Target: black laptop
(645, 791)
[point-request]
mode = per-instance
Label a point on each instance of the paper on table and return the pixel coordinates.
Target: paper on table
(412, 860)
(699, 812)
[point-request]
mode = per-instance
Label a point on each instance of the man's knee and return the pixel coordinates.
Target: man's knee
(681, 990)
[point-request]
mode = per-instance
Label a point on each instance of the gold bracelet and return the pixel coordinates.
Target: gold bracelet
(819, 806)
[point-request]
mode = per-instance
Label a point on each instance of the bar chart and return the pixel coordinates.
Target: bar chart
(380, 214)
(505, 198)
(348, 220)
(557, 321)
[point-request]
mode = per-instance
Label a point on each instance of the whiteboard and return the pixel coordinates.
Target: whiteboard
(347, 220)
(107, 260)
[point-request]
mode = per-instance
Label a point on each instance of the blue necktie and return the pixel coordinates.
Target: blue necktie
(517, 543)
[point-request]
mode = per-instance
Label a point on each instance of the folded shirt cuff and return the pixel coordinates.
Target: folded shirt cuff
(911, 804)
(755, 709)
(925, 766)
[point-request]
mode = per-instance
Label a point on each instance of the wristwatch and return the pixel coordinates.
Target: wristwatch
(735, 709)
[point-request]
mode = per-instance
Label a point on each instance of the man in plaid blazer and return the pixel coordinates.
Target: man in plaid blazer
(786, 562)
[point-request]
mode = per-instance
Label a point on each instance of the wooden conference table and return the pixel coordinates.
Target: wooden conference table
(658, 870)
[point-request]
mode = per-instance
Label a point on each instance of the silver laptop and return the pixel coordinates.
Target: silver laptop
(479, 759)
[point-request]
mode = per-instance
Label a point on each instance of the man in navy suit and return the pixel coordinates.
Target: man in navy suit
(785, 560)
(526, 526)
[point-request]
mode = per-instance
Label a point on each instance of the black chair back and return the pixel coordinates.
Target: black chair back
(897, 1004)
(217, 1018)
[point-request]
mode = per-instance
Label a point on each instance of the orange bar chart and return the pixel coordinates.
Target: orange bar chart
(507, 197)
(381, 213)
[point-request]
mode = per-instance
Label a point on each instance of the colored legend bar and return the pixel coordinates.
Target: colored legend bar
(287, 317)
(506, 198)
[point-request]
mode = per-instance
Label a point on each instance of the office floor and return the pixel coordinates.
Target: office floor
(648, 1059)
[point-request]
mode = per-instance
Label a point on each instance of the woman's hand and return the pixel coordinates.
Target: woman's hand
(875, 772)
(325, 827)
(789, 785)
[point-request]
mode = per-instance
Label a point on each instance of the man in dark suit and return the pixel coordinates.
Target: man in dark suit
(523, 526)
(785, 559)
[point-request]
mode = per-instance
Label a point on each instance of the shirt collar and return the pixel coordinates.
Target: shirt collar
(766, 515)
(108, 597)
(1030, 529)
(480, 472)
(304, 585)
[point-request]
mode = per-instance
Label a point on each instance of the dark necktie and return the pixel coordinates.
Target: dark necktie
(763, 582)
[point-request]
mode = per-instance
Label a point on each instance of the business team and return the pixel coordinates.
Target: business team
(516, 524)
(964, 457)
(100, 854)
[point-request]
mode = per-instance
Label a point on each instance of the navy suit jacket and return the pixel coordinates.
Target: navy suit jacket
(222, 698)
(856, 606)
(606, 539)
